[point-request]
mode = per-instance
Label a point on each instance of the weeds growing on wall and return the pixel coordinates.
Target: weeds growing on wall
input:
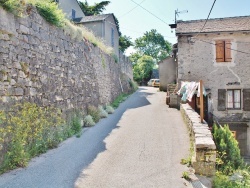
(17, 7)
(27, 130)
(51, 13)
(94, 112)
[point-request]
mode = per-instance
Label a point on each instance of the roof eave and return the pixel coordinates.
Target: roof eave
(194, 33)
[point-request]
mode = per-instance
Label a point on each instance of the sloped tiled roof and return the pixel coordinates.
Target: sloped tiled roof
(230, 24)
(92, 18)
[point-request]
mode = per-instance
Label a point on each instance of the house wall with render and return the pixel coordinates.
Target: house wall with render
(103, 29)
(197, 61)
(68, 5)
(167, 72)
(40, 63)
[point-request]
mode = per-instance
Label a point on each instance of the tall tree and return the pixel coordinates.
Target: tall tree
(142, 70)
(96, 9)
(153, 44)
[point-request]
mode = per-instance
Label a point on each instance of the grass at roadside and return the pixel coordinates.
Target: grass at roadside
(122, 97)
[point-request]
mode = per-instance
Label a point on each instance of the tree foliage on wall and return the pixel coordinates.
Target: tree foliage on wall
(124, 42)
(95, 9)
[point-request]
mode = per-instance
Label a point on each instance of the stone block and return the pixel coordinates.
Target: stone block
(204, 142)
(205, 169)
(19, 91)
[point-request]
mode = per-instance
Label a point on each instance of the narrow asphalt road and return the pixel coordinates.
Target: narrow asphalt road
(140, 145)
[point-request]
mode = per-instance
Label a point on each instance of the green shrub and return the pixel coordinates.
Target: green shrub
(109, 109)
(93, 111)
(102, 112)
(240, 179)
(228, 150)
(88, 121)
(122, 97)
(75, 123)
(50, 11)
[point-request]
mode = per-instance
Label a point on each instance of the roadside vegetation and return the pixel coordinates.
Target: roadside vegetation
(231, 170)
(27, 130)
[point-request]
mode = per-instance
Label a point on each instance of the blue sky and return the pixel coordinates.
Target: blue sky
(138, 21)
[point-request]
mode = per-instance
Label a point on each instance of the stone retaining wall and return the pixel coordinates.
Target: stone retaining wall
(204, 147)
(40, 63)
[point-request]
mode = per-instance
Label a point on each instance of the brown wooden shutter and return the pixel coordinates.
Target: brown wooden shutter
(246, 99)
(220, 51)
(221, 100)
(228, 57)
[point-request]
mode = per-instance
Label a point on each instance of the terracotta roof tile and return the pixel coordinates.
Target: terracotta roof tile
(229, 24)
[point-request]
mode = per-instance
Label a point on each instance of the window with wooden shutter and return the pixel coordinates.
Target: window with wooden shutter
(246, 99)
(228, 57)
(220, 51)
(221, 100)
(223, 51)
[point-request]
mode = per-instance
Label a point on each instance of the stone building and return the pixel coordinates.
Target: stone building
(219, 55)
(103, 26)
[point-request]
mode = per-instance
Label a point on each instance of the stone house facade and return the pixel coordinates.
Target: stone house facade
(219, 55)
(104, 27)
(71, 8)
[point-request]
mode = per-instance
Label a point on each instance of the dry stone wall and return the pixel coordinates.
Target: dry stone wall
(42, 64)
(204, 147)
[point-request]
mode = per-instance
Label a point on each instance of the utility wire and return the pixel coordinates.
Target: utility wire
(150, 12)
(225, 47)
(131, 10)
(134, 30)
(207, 18)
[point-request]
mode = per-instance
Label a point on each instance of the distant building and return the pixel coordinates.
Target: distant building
(71, 8)
(167, 72)
(103, 26)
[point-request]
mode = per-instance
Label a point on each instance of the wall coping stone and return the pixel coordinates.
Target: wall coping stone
(204, 146)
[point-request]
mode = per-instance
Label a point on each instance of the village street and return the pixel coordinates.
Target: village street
(140, 145)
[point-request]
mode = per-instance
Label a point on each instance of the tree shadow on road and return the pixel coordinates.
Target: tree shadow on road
(61, 167)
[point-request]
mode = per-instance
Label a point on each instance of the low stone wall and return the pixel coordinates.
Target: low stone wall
(202, 139)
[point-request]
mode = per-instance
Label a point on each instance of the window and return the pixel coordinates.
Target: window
(73, 14)
(112, 37)
(223, 51)
(233, 99)
(229, 99)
